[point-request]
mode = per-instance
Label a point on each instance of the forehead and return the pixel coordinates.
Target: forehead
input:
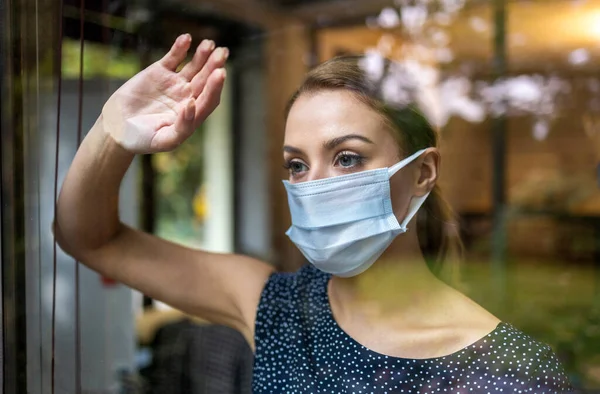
(330, 113)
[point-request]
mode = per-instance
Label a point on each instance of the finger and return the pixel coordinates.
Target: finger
(170, 137)
(216, 60)
(211, 95)
(177, 53)
(199, 60)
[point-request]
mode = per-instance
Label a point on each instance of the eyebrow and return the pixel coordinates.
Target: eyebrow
(329, 145)
(338, 140)
(291, 149)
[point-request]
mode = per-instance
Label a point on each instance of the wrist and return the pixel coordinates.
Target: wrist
(109, 145)
(107, 130)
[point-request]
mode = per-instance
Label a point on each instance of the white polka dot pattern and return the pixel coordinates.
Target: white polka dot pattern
(301, 349)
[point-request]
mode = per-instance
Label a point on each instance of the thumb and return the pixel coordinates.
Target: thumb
(170, 137)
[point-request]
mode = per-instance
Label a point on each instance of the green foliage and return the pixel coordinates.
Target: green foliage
(554, 303)
(179, 178)
(99, 61)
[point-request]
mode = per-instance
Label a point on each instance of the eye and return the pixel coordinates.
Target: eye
(348, 160)
(295, 167)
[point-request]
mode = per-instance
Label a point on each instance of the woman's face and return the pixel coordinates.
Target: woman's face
(331, 133)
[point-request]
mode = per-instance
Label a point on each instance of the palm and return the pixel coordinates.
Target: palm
(153, 98)
(159, 108)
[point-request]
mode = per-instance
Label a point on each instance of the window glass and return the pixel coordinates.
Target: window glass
(492, 234)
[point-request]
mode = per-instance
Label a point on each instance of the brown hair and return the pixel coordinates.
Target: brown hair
(437, 230)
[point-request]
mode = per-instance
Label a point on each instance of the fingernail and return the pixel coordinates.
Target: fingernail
(181, 39)
(204, 45)
(218, 53)
(222, 55)
(225, 53)
(212, 44)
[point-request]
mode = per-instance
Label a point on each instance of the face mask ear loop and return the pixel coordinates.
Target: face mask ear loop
(398, 166)
(413, 207)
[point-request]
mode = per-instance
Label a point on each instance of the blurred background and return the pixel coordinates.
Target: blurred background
(513, 87)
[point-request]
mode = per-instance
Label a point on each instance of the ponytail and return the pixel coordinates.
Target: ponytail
(439, 237)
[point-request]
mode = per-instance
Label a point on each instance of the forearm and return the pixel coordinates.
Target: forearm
(87, 214)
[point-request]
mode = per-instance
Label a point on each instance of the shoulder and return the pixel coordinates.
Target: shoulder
(288, 303)
(512, 343)
(285, 291)
(520, 359)
(549, 375)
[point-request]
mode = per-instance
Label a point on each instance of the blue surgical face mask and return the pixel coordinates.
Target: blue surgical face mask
(344, 223)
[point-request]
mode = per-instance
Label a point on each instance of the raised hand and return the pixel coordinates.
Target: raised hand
(159, 108)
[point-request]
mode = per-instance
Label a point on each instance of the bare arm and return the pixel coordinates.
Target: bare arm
(155, 111)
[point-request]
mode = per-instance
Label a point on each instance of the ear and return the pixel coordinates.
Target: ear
(427, 171)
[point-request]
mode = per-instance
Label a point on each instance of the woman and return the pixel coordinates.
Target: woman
(360, 170)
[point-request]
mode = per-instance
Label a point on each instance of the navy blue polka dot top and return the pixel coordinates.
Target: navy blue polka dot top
(301, 349)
